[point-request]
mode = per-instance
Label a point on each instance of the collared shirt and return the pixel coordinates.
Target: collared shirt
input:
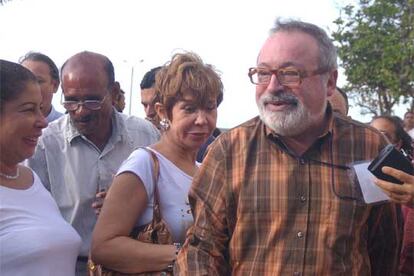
(73, 169)
(260, 210)
(411, 133)
(53, 115)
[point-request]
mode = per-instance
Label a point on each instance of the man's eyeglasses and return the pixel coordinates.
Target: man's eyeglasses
(89, 104)
(288, 76)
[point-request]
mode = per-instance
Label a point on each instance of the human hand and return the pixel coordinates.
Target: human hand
(99, 200)
(404, 193)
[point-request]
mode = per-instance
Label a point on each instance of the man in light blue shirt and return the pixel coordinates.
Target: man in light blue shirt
(47, 75)
(78, 154)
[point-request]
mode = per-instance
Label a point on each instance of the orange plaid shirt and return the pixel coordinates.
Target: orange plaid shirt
(260, 210)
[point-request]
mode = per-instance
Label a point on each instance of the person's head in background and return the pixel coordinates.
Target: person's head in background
(21, 119)
(339, 101)
(189, 92)
(47, 75)
(118, 98)
(148, 94)
(408, 120)
(395, 133)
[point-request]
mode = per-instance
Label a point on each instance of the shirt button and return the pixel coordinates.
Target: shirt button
(302, 198)
(300, 234)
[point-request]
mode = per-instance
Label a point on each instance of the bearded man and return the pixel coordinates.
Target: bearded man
(273, 195)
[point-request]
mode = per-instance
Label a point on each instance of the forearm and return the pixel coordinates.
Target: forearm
(205, 251)
(131, 256)
(201, 257)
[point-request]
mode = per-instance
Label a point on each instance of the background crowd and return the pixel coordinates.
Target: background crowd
(269, 197)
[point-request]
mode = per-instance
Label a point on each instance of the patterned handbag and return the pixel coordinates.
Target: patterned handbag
(154, 232)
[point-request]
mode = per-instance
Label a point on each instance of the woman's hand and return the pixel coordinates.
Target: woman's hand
(99, 200)
(403, 194)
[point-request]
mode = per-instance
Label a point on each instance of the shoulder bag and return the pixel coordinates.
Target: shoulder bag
(154, 232)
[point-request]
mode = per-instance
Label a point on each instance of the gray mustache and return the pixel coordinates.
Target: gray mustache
(281, 96)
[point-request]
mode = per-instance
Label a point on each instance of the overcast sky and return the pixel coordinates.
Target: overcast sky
(139, 35)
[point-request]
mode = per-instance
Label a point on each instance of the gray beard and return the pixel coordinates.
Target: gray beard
(292, 122)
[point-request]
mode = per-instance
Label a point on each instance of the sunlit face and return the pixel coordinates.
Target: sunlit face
(147, 97)
(290, 111)
(387, 128)
(409, 120)
(88, 82)
(48, 85)
(191, 125)
(21, 122)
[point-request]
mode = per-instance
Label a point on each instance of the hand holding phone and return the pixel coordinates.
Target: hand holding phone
(391, 157)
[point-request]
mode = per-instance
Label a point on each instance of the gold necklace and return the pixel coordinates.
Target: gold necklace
(11, 177)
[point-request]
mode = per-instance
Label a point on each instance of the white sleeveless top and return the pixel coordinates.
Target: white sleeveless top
(173, 187)
(34, 238)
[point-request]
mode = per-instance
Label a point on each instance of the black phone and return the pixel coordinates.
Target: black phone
(391, 157)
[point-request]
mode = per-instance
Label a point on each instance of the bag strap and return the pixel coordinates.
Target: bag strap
(155, 177)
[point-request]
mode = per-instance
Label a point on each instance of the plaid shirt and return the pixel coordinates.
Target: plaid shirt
(260, 210)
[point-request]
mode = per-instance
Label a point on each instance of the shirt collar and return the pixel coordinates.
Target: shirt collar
(118, 128)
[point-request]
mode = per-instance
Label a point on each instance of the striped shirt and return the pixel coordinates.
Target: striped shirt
(260, 210)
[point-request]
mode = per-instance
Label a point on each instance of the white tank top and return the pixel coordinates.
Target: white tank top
(34, 238)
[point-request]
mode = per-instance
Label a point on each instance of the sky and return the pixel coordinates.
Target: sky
(139, 35)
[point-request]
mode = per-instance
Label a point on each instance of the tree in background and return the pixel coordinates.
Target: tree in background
(376, 47)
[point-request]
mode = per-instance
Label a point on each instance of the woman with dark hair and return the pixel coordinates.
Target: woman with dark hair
(189, 93)
(403, 194)
(34, 238)
(391, 127)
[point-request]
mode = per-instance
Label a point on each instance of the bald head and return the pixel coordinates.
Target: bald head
(89, 76)
(90, 63)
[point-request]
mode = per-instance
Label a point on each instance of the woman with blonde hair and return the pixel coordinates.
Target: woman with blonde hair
(189, 93)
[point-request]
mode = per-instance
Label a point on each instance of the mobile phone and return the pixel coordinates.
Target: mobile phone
(391, 157)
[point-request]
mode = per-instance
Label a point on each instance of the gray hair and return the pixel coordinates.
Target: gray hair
(327, 51)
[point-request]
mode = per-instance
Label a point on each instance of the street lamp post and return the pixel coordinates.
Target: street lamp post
(131, 90)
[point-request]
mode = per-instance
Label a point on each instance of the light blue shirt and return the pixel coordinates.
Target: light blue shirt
(53, 115)
(73, 169)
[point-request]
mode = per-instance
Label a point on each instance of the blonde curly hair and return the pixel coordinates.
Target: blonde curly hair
(186, 73)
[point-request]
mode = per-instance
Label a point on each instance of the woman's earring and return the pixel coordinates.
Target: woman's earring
(164, 124)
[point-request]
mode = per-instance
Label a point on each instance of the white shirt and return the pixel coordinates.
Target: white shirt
(173, 187)
(34, 238)
(73, 169)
